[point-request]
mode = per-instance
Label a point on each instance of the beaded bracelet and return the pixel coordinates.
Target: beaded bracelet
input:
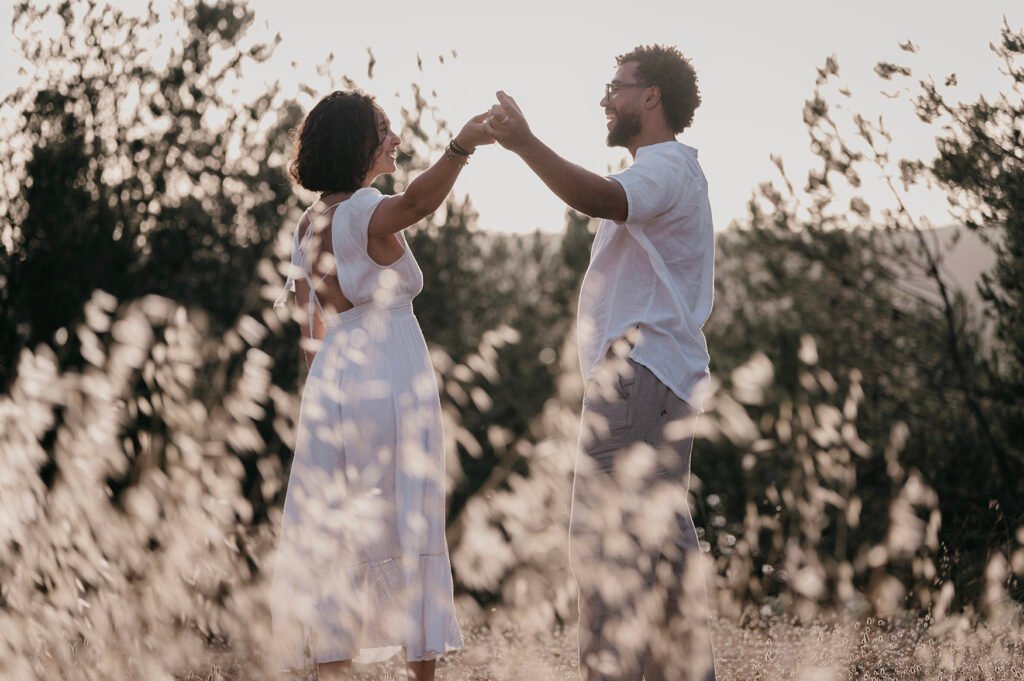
(455, 156)
(458, 148)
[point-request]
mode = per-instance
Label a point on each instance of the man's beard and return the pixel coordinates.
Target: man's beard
(627, 126)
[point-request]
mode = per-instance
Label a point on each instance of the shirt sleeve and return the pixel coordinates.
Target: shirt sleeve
(351, 234)
(650, 188)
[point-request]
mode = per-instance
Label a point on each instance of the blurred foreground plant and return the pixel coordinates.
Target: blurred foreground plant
(130, 581)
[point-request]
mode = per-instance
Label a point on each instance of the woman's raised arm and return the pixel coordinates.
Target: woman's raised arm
(428, 191)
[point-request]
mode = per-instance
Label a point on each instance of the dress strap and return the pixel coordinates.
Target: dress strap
(314, 300)
(301, 261)
(297, 266)
(333, 205)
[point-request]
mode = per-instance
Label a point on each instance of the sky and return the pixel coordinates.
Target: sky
(756, 64)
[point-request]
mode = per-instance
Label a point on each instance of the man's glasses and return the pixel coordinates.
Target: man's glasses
(611, 88)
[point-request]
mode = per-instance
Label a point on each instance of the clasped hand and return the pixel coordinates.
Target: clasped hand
(504, 123)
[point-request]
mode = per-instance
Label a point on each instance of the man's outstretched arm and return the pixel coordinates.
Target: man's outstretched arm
(587, 192)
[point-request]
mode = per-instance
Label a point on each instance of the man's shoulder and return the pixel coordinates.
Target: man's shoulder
(668, 149)
(672, 156)
(673, 162)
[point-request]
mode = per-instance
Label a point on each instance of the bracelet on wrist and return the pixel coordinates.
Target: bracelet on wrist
(457, 148)
(455, 157)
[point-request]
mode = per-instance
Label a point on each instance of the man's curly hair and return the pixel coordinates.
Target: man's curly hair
(667, 68)
(334, 147)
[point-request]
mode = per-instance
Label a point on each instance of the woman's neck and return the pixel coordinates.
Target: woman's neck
(328, 198)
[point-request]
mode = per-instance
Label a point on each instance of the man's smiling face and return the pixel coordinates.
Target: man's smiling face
(622, 105)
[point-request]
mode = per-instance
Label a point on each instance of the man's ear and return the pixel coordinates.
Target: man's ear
(652, 97)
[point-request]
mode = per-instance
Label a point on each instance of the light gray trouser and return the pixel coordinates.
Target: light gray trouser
(632, 542)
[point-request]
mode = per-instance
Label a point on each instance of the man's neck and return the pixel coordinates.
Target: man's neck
(655, 135)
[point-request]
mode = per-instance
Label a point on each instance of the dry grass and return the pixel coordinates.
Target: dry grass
(908, 650)
(820, 651)
(166, 579)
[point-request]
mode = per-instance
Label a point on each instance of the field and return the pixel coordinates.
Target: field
(868, 649)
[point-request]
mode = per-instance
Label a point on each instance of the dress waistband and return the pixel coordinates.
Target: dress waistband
(359, 311)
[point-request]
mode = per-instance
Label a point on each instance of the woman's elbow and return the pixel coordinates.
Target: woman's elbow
(416, 205)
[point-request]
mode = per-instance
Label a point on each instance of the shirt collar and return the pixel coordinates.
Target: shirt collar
(667, 144)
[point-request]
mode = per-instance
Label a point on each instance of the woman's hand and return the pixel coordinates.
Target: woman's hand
(428, 190)
(474, 134)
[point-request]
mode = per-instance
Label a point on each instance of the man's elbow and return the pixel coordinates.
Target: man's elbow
(616, 212)
(606, 206)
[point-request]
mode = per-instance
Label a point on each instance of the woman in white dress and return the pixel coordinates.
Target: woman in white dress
(362, 569)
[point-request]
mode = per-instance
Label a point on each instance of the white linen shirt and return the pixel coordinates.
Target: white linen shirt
(655, 272)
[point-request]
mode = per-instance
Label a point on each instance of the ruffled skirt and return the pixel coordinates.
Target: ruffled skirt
(362, 569)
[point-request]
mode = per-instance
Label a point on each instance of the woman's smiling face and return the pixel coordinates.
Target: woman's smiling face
(384, 160)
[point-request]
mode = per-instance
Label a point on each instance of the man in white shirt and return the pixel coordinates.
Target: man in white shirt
(643, 302)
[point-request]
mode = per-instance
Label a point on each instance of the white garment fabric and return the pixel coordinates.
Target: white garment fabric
(362, 568)
(654, 272)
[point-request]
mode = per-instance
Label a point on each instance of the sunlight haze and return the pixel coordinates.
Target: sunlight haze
(755, 62)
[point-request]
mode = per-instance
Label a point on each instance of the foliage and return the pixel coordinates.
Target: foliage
(133, 168)
(981, 165)
(869, 287)
(167, 565)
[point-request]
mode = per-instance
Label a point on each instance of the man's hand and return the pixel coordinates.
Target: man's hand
(507, 124)
(587, 192)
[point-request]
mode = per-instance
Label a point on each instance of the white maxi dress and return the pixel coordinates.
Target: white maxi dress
(362, 568)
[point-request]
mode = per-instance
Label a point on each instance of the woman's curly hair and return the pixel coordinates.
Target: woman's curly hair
(334, 147)
(673, 74)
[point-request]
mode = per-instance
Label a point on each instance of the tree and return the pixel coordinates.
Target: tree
(135, 173)
(868, 285)
(981, 164)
